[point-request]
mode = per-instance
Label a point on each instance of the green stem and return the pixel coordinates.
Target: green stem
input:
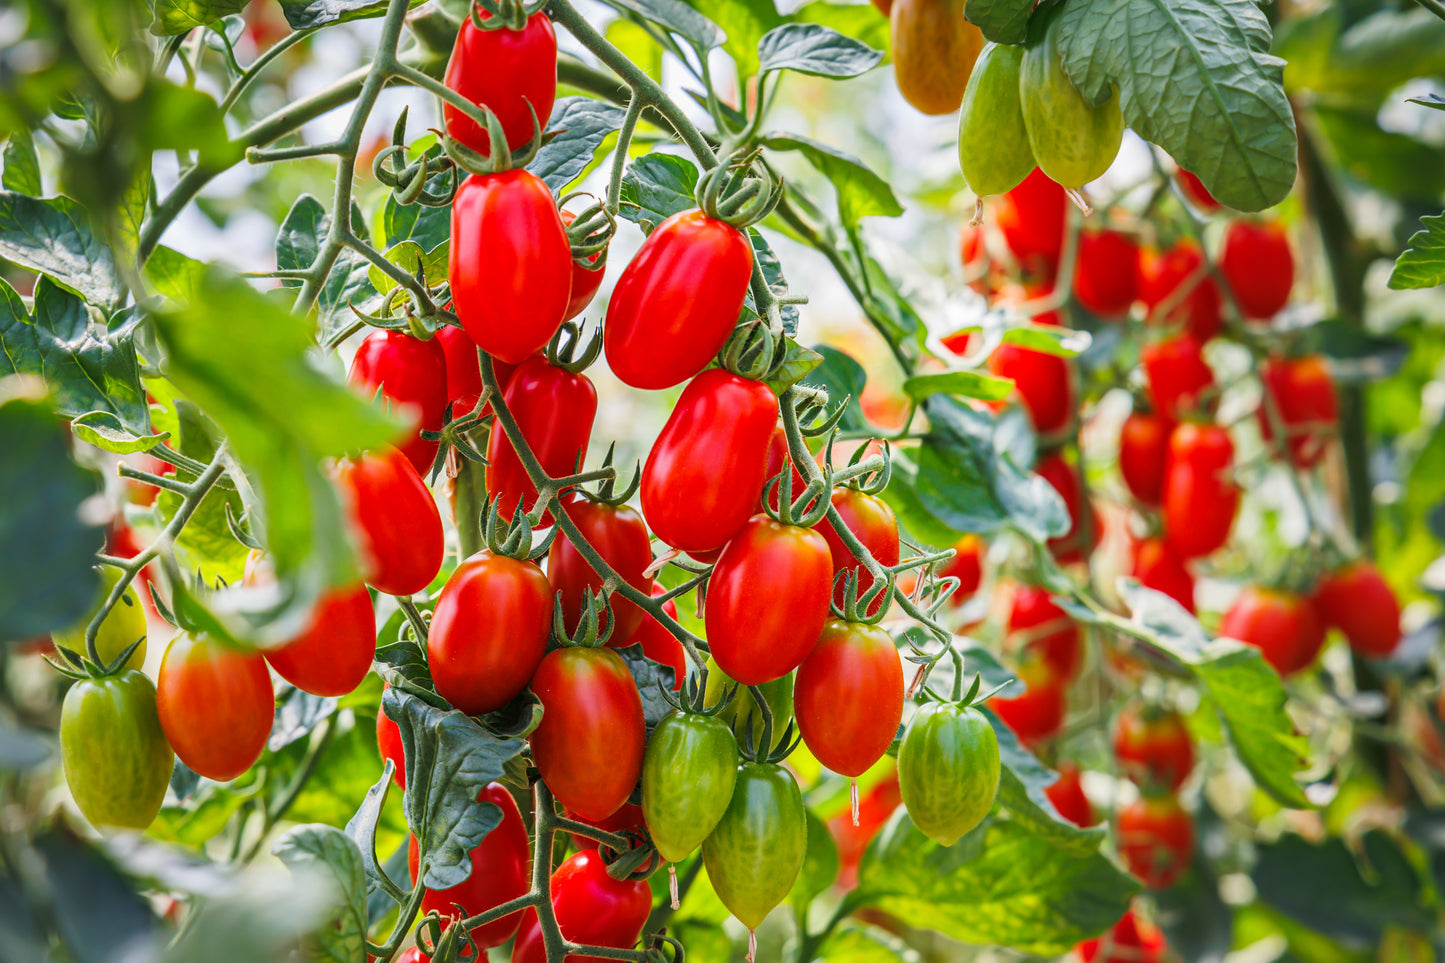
(619, 156)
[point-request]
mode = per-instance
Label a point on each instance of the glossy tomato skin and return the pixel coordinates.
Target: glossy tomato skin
(1153, 748)
(1258, 264)
(849, 696)
(115, 755)
(873, 523)
(754, 853)
(510, 263)
(511, 72)
(412, 376)
(592, 909)
(398, 524)
(1048, 632)
(1043, 382)
(500, 872)
(1067, 795)
(705, 473)
(1106, 280)
(620, 537)
(966, 566)
(1285, 627)
(1143, 453)
(1078, 541)
(334, 654)
(1156, 566)
(554, 409)
(767, 600)
(1303, 394)
(1200, 500)
(1163, 280)
(1358, 601)
(215, 704)
(586, 277)
(688, 774)
(464, 371)
(489, 631)
(1156, 839)
(388, 746)
(677, 301)
(1197, 193)
(660, 645)
(1031, 218)
(1177, 375)
(948, 770)
(589, 744)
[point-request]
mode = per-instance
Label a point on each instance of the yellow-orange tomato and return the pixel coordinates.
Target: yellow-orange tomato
(934, 50)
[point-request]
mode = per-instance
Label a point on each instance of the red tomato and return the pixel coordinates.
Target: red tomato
(1358, 601)
(334, 654)
(620, 537)
(1043, 382)
(1177, 375)
(1257, 263)
(677, 301)
(589, 745)
(1067, 795)
(412, 376)
(767, 600)
(873, 523)
(705, 473)
(554, 409)
(592, 909)
(464, 372)
(215, 705)
(1197, 193)
(1069, 547)
(1200, 499)
(510, 263)
(1157, 567)
(1031, 218)
(777, 455)
(397, 522)
(1038, 711)
(1143, 452)
(966, 566)
(660, 645)
(1131, 940)
(1153, 748)
(1304, 398)
(1156, 839)
(585, 279)
(1047, 630)
(489, 631)
(848, 697)
(412, 954)
(1161, 277)
(500, 872)
(1285, 627)
(388, 744)
(512, 72)
(1106, 279)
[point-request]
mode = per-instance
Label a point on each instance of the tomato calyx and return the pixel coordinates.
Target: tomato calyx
(503, 14)
(408, 181)
(738, 191)
(692, 698)
(594, 622)
(511, 538)
(567, 351)
(446, 940)
(804, 511)
(758, 744)
(501, 158)
(590, 233)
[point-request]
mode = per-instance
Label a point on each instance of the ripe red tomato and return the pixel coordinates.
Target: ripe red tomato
(586, 278)
(333, 654)
(1304, 397)
(500, 872)
(1067, 795)
(677, 301)
(1131, 940)
(767, 600)
(875, 807)
(1153, 748)
(1257, 263)
(1197, 193)
(489, 631)
(589, 745)
(1160, 279)
(1078, 541)
(412, 376)
(512, 72)
(397, 521)
(848, 697)
(873, 523)
(620, 537)
(592, 909)
(510, 263)
(660, 645)
(966, 566)
(464, 372)
(1156, 839)
(1157, 567)
(1043, 382)
(1200, 499)
(554, 409)
(1285, 627)
(1106, 279)
(1358, 601)
(1046, 630)
(705, 473)
(1031, 218)
(1038, 711)
(215, 704)
(1177, 375)
(1143, 453)
(388, 745)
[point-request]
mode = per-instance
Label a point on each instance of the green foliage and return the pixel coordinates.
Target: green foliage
(1002, 21)
(332, 858)
(54, 237)
(581, 125)
(860, 192)
(179, 16)
(810, 48)
(1423, 263)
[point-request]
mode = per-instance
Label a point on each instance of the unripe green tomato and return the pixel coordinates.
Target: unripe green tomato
(116, 758)
(754, 854)
(779, 696)
(688, 775)
(123, 624)
(993, 146)
(948, 769)
(1073, 142)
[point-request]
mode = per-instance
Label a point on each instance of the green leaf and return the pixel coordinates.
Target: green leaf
(97, 909)
(53, 236)
(1433, 101)
(297, 713)
(844, 379)
(1002, 21)
(772, 269)
(362, 826)
(857, 20)
(299, 241)
(651, 678)
(330, 855)
(677, 17)
(811, 48)
(170, 116)
(1423, 263)
(820, 864)
(580, 124)
(104, 430)
(655, 187)
(179, 16)
(22, 166)
(1370, 58)
(744, 22)
(965, 384)
(798, 362)
(173, 274)
(1194, 77)
(409, 255)
(854, 943)
(916, 520)
(1022, 781)
(304, 14)
(861, 193)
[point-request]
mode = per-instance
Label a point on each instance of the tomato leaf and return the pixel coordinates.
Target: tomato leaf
(860, 192)
(179, 16)
(326, 855)
(1002, 21)
(797, 362)
(820, 864)
(772, 270)
(104, 430)
(651, 678)
(1196, 78)
(964, 384)
(743, 23)
(856, 943)
(173, 274)
(22, 166)
(363, 824)
(679, 18)
(844, 379)
(298, 242)
(811, 48)
(93, 904)
(1423, 263)
(580, 124)
(409, 255)
(1434, 101)
(1022, 782)
(297, 713)
(657, 186)
(52, 236)
(855, 20)
(303, 14)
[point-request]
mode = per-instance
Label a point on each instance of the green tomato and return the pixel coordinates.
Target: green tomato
(743, 708)
(948, 770)
(116, 758)
(756, 851)
(993, 146)
(123, 624)
(688, 775)
(1073, 141)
